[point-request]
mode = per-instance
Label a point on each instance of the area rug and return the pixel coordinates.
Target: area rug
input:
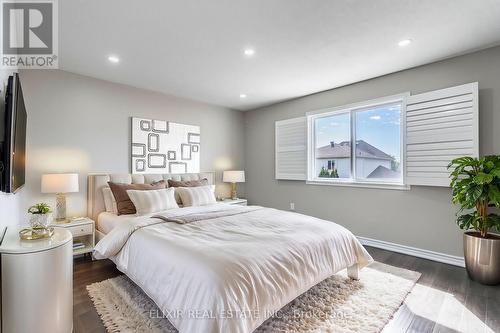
(338, 304)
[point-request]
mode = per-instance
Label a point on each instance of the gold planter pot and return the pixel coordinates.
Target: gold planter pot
(482, 258)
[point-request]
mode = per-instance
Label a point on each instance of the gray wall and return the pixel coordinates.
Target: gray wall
(80, 124)
(422, 217)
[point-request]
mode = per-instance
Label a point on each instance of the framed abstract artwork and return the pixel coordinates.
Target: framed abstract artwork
(160, 146)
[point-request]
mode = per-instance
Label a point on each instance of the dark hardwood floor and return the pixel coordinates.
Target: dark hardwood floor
(86, 271)
(444, 300)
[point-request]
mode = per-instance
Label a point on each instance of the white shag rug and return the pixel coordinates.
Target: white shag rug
(337, 304)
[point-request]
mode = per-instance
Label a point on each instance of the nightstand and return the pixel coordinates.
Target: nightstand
(241, 202)
(83, 231)
(36, 283)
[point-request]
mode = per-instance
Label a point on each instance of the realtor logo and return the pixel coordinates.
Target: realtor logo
(29, 34)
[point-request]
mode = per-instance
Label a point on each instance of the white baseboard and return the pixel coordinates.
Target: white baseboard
(413, 251)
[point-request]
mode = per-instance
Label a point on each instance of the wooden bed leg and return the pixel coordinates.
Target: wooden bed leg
(353, 272)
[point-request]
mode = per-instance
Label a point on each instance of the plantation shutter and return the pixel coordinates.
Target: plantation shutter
(291, 151)
(440, 125)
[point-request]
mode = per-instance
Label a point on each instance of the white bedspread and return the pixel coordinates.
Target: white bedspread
(228, 272)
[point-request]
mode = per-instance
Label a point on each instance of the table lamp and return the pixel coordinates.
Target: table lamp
(60, 183)
(234, 176)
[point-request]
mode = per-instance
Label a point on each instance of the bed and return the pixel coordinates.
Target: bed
(224, 268)
(96, 210)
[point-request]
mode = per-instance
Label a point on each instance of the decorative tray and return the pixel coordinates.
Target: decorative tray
(36, 233)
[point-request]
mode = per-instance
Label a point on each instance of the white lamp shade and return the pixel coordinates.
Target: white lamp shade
(60, 183)
(234, 176)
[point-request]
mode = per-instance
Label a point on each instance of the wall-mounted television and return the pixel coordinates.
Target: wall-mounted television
(13, 145)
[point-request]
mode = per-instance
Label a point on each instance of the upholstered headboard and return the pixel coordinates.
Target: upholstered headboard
(95, 202)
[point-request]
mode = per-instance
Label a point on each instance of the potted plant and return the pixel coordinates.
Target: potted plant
(476, 188)
(40, 216)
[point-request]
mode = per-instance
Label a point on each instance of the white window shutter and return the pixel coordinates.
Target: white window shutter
(440, 125)
(291, 151)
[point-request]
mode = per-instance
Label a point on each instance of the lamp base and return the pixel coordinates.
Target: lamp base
(234, 194)
(61, 208)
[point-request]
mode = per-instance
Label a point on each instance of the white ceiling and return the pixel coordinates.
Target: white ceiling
(194, 48)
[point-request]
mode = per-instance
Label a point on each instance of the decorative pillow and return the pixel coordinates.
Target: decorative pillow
(123, 203)
(197, 196)
(152, 201)
(186, 183)
(109, 200)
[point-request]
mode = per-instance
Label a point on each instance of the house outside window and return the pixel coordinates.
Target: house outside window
(376, 156)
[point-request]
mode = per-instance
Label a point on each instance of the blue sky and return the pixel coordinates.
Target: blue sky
(379, 126)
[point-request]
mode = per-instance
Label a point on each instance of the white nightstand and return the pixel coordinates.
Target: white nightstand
(37, 283)
(241, 202)
(83, 231)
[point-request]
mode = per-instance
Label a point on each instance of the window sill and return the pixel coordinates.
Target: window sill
(385, 186)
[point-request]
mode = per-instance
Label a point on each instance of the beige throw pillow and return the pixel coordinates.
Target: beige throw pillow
(197, 196)
(186, 183)
(152, 201)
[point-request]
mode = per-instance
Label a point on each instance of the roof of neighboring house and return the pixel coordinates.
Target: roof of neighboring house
(383, 172)
(343, 149)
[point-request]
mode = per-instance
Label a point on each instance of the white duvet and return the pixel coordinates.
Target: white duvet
(228, 268)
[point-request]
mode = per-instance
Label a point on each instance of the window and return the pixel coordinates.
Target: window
(399, 141)
(360, 144)
(332, 151)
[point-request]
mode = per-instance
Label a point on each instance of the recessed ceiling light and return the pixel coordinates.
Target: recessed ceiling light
(249, 52)
(404, 42)
(243, 96)
(114, 59)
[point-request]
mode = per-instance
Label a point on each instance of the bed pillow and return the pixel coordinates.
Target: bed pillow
(152, 201)
(186, 183)
(123, 203)
(109, 200)
(197, 196)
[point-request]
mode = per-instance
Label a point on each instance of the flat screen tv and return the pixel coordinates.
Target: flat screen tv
(14, 139)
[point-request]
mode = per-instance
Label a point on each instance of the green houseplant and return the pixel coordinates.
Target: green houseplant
(476, 189)
(40, 215)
